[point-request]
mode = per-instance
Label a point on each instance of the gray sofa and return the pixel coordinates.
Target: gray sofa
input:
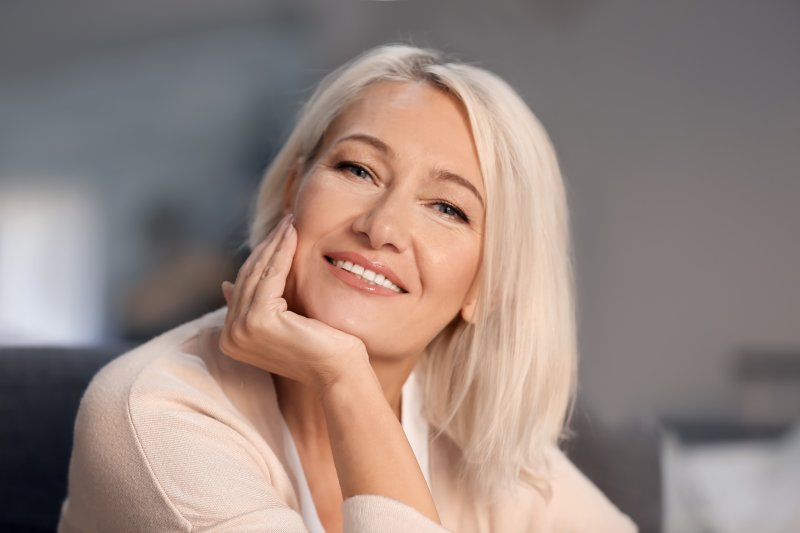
(40, 389)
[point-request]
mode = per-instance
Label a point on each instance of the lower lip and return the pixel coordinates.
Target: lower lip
(360, 283)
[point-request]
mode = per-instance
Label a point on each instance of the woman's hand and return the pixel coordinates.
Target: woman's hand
(260, 330)
(363, 430)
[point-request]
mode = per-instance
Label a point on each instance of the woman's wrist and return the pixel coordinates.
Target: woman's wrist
(351, 366)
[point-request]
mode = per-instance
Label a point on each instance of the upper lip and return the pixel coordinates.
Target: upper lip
(378, 268)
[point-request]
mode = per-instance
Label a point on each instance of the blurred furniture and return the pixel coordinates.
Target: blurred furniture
(768, 386)
(40, 389)
(730, 476)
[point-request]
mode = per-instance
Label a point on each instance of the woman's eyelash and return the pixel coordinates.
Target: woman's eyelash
(451, 210)
(355, 169)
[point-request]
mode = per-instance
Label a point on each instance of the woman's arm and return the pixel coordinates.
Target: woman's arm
(370, 450)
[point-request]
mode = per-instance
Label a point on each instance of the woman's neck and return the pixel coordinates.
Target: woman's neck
(302, 409)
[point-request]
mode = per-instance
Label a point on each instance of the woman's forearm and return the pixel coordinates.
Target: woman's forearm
(370, 449)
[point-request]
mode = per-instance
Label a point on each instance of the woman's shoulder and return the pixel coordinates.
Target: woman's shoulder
(169, 377)
(173, 346)
(159, 436)
(180, 374)
(575, 504)
(182, 369)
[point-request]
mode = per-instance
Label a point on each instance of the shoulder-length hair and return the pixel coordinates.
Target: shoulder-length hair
(502, 386)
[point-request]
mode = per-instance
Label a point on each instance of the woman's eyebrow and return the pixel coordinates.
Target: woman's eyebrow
(368, 139)
(446, 175)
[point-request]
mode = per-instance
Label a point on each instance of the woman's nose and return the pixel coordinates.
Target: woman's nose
(385, 222)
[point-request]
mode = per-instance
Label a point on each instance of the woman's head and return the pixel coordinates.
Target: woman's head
(500, 383)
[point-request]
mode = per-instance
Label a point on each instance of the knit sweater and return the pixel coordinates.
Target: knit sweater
(176, 436)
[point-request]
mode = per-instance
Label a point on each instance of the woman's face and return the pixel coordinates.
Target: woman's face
(396, 189)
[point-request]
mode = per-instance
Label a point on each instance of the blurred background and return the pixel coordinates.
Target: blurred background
(133, 135)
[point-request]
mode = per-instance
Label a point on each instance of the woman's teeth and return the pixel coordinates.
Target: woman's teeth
(368, 275)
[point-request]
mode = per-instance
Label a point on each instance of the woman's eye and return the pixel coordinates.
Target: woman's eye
(451, 211)
(354, 169)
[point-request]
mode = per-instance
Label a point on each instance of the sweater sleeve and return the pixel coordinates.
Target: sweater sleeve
(370, 513)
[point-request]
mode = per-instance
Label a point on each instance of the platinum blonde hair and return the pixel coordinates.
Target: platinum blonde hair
(500, 388)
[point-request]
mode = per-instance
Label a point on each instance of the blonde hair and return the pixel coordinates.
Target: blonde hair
(501, 387)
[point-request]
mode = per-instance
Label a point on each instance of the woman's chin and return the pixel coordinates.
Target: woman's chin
(352, 324)
(373, 333)
(381, 334)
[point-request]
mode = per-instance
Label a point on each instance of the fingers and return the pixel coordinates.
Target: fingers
(264, 268)
(249, 273)
(249, 264)
(272, 282)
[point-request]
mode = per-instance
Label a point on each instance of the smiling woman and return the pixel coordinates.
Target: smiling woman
(398, 351)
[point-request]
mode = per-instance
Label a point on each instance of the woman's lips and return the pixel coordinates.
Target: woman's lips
(362, 273)
(360, 283)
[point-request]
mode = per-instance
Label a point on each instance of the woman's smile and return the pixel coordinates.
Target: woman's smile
(355, 270)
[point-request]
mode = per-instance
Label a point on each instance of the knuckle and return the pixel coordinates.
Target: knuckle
(258, 268)
(251, 323)
(237, 336)
(268, 272)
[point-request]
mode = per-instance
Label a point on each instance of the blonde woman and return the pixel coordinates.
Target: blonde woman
(397, 353)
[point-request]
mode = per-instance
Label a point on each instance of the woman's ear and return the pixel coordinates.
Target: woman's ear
(470, 302)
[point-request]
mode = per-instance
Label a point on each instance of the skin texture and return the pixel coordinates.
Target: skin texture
(382, 186)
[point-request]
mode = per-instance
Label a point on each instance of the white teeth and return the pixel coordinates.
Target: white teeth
(369, 275)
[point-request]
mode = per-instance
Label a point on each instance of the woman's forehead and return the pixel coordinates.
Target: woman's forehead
(396, 98)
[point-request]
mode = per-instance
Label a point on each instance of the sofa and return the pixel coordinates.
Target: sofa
(41, 387)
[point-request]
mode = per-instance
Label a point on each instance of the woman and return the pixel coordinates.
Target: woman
(397, 353)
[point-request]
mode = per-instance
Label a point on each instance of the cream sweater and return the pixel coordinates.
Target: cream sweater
(175, 436)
